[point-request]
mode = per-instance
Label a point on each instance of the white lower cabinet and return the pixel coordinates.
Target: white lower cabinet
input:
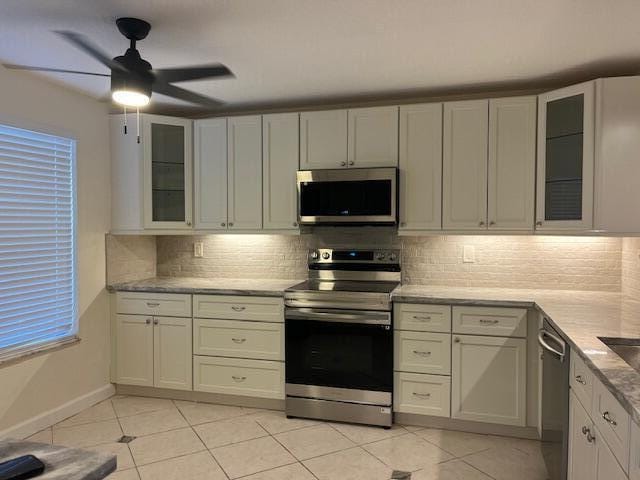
(489, 379)
(590, 458)
(153, 351)
(236, 376)
(422, 394)
(422, 352)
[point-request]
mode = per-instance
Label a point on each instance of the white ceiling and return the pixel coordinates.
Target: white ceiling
(288, 52)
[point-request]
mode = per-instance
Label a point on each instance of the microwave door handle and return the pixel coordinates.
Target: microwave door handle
(543, 343)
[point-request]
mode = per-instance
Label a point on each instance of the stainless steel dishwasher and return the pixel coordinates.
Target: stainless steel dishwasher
(555, 401)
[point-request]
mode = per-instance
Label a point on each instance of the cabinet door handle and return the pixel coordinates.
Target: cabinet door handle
(539, 223)
(422, 395)
(488, 321)
(223, 224)
(231, 224)
(153, 304)
(237, 308)
(456, 340)
(239, 340)
(403, 224)
(295, 224)
(147, 321)
(238, 379)
(587, 432)
(580, 380)
(422, 318)
(481, 223)
(352, 163)
(155, 321)
(189, 224)
(343, 164)
(607, 418)
(421, 353)
(491, 223)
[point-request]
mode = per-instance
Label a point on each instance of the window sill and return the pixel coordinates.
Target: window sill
(22, 356)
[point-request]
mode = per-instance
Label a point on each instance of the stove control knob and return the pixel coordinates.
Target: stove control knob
(393, 257)
(314, 255)
(325, 255)
(380, 256)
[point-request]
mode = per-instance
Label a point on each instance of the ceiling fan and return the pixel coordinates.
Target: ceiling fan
(132, 78)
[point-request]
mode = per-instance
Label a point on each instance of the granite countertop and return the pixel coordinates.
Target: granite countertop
(61, 463)
(217, 286)
(579, 316)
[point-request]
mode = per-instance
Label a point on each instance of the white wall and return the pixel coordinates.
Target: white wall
(30, 388)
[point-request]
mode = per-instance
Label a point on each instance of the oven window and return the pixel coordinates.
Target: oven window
(344, 198)
(339, 355)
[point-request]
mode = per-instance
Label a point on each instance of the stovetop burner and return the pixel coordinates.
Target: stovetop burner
(344, 286)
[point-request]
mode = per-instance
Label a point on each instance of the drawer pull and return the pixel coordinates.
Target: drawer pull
(422, 318)
(421, 353)
(147, 321)
(238, 308)
(153, 304)
(238, 379)
(580, 380)
(488, 321)
(607, 418)
(422, 395)
(239, 340)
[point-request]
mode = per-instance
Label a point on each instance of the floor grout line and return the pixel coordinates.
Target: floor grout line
(292, 455)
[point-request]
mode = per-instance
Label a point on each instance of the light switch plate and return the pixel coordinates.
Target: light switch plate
(198, 249)
(468, 254)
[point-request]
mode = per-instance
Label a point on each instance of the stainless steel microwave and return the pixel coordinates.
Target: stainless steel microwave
(363, 196)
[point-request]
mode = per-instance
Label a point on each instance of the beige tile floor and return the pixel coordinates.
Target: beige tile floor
(185, 440)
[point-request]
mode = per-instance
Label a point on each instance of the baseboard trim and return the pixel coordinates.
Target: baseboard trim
(46, 419)
(446, 423)
(204, 397)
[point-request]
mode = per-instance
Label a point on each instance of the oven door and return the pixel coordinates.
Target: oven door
(344, 355)
(358, 196)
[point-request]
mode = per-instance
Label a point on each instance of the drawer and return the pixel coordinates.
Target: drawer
(500, 322)
(160, 304)
(422, 394)
(235, 307)
(581, 379)
(422, 318)
(422, 352)
(235, 376)
(612, 421)
(235, 338)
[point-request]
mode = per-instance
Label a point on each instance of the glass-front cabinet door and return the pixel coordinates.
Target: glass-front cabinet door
(168, 161)
(565, 158)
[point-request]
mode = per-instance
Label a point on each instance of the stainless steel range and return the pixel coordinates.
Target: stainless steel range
(339, 337)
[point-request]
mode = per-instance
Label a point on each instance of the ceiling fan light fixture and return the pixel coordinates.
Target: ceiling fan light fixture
(130, 98)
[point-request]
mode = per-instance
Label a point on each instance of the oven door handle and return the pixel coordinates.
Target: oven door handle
(543, 343)
(338, 316)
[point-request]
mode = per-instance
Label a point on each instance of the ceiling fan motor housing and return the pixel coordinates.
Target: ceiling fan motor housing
(137, 77)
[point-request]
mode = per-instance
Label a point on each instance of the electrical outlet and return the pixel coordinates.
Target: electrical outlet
(468, 254)
(198, 249)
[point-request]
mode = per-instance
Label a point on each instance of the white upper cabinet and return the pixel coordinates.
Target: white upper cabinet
(421, 167)
(323, 139)
(512, 163)
(244, 172)
(566, 127)
(280, 157)
(168, 160)
(210, 174)
(617, 169)
(127, 177)
(373, 137)
(464, 180)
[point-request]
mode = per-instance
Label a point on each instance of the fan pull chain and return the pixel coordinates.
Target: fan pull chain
(125, 120)
(138, 123)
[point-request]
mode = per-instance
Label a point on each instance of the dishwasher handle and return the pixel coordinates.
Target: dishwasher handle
(542, 334)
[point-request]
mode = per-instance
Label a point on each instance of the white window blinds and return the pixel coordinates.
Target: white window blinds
(37, 241)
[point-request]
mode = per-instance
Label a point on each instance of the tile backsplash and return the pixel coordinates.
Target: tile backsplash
(631, 267)
(575, 263)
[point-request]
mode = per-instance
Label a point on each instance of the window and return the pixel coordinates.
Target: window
(37, 241)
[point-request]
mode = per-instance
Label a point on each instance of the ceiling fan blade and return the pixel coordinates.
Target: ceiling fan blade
(186, 95)
(171, 75)
(87, 46)
(47, 69)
